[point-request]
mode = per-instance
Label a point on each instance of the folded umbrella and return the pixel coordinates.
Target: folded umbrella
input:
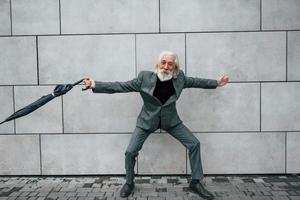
(58, 91)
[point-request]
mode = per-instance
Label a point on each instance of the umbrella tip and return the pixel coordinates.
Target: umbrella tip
(2, 122)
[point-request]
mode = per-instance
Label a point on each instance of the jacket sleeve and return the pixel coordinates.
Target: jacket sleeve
(190, 82)
(133, 85)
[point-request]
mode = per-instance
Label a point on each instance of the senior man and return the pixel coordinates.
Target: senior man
(160, 90)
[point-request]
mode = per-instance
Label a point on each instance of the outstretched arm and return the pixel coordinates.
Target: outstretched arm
(113, 87)
(194, 82)
(191, 82)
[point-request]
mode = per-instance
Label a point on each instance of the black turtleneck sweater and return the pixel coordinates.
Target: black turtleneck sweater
(163, 90)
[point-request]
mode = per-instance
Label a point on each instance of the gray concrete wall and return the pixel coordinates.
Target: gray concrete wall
(250, 126)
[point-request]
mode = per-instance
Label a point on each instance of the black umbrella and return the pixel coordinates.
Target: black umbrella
(58, 91)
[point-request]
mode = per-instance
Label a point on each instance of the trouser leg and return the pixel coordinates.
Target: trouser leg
(136, 142)
(184, 135)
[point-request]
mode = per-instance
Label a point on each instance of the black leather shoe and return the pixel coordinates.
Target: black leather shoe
(200, 190)
(126, 190)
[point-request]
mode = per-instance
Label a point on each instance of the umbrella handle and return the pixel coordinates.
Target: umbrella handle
(76, 83)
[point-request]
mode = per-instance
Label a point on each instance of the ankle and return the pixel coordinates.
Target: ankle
(130, 184)
(195, 181)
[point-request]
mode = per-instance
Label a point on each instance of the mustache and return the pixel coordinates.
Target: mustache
(165, 71)
(164, 76)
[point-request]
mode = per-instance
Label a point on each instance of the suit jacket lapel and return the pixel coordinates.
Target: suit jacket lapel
(152, 85)
(176, 87)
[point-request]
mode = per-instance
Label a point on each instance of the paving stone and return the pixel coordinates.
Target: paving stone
(72, 198)
(24, 194)
(14, 194)
(266, 193)
(84, 189)
(96, 185)
(149, 194)
(294, 193)
(258, 180)
(56, 194)
(27, 189)
(156, 198)
(33, 194)
(280, 198)
(262, 198)
(86, 198)
(82, 194)
(100, 198)
(161, 187)
(71, 194)
(173, 198)
(279, 193)
(56, 189)
(109, 194)
(96, 194)
(136, 193)
(68, 189)
(140, 181)
(22, 198)
(294, 197)
(43, 194)
(41, 198)
(12, 198)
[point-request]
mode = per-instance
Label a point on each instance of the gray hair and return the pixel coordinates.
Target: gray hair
(169, 53)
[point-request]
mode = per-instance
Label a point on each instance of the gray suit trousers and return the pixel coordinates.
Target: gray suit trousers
(181, 133)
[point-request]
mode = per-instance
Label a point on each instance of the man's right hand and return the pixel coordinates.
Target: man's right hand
(89, 83)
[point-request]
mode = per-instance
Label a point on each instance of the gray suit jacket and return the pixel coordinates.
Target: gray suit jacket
(153, 112)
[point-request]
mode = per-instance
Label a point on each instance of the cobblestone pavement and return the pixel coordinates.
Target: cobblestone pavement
(267, 187)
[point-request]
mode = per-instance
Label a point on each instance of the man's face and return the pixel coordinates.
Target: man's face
(167, 64)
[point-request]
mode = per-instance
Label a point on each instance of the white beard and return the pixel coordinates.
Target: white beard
(163, 76)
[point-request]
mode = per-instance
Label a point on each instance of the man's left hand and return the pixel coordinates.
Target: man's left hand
(223, 80)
